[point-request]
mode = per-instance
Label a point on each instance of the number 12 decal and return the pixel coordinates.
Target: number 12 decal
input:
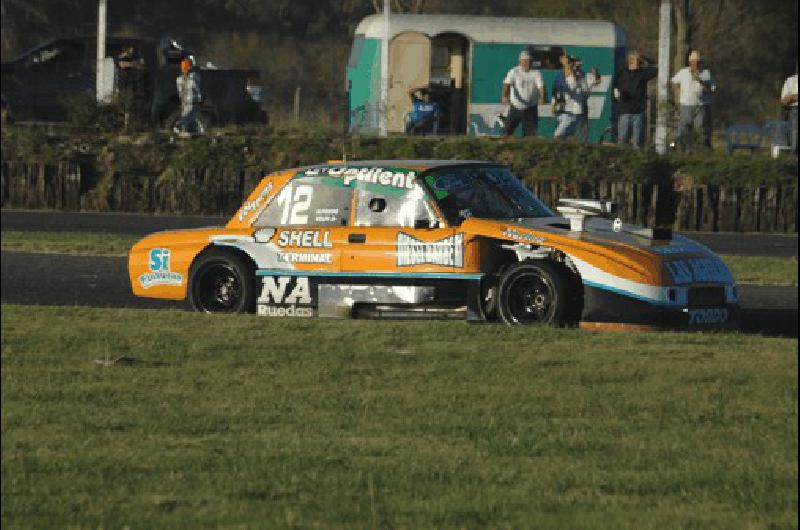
(295, 205)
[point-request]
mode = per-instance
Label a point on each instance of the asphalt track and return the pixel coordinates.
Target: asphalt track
(54, 279)
(723, 243)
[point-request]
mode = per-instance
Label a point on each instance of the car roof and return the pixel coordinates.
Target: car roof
(419, 165)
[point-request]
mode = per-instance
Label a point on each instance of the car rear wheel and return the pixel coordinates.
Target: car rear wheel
(222, 282)
(538, 292)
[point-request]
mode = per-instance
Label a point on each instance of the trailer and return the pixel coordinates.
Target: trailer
(464, 59)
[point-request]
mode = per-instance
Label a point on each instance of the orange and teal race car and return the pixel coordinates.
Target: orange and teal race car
(425, 239)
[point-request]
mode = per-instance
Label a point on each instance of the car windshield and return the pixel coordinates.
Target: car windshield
(490, 192)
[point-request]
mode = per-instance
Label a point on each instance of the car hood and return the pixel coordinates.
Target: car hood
(630, 251)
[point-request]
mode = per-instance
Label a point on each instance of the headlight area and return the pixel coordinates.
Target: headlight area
(700, 295)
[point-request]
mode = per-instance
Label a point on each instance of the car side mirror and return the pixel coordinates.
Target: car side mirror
(377, 204)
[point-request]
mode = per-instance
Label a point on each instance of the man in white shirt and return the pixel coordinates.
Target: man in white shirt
(789, 99)
(695, 87)
(523, 91)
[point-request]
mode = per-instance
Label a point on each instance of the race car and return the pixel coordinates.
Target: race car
(433, 239)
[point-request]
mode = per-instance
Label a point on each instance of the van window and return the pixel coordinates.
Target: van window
(355, 51)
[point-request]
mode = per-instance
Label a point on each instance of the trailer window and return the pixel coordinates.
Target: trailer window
(355, 51)
(545, 57)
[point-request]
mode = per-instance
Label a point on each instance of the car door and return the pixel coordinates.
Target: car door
(300, 237)
(397, 232)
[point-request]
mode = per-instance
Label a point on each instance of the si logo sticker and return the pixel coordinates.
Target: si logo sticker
(160, 274)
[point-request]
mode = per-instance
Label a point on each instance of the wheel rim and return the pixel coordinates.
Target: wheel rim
(531, 299)
(218, 289)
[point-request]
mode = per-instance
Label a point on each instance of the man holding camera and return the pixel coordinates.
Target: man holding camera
(570, 92)
(695, 87)
(630, 91)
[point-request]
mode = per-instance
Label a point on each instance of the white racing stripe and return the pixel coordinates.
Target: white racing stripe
(595, 277)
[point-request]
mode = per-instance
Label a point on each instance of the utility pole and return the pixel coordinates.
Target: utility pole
(100, 88)
(383, 108)
(663, 77)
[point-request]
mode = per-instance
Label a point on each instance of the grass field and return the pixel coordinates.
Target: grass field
(249, 422)
(746, 269)
(79, 243)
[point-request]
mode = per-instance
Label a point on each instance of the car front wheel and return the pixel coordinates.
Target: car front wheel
(222, 282)
(538, 292)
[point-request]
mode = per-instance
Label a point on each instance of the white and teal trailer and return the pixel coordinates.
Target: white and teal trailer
(464, 60)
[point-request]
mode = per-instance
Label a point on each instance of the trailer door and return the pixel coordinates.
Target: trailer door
(409, 63)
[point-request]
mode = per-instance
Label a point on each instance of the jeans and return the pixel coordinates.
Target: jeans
(188, 121)
(567, 125)
(630, 129)
(423, 126)
(528, 117)
(793, 128)
(697, 118)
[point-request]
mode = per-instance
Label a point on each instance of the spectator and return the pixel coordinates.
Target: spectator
(630, 91)
(695, 86)
(569, 97)
(424, 113)
(523, 91)
(789, 99)
(593, 79)
(132, 77)
(188, 84)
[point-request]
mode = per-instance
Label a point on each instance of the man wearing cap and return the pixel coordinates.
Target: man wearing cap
(789, 99)
(695, 87)
(523, 90)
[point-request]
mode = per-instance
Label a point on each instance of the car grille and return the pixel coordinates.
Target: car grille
(713, 296)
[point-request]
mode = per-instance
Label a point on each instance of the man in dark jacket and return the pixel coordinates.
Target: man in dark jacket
(630, 91)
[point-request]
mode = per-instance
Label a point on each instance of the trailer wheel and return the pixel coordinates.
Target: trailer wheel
(538, 292)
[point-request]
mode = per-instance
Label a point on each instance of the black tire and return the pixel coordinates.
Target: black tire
(539, 292)
(222, 282)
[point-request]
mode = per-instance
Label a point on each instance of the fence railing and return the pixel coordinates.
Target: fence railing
(210, 191)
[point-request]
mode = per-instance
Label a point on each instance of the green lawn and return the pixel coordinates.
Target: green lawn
(85, 243)
(763, 270)
(250, 422)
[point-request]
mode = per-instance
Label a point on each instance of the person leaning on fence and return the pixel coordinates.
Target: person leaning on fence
(523, 91)
(188, 83)
(695, 86)
(569, 97)
(630, 91)
(789, 99)
(424, 112)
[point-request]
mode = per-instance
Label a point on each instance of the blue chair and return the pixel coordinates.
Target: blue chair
(743, 137)
(776, 132)
(434, 128)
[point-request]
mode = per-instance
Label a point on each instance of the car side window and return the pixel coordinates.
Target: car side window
(406, 209)
(308, 201)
